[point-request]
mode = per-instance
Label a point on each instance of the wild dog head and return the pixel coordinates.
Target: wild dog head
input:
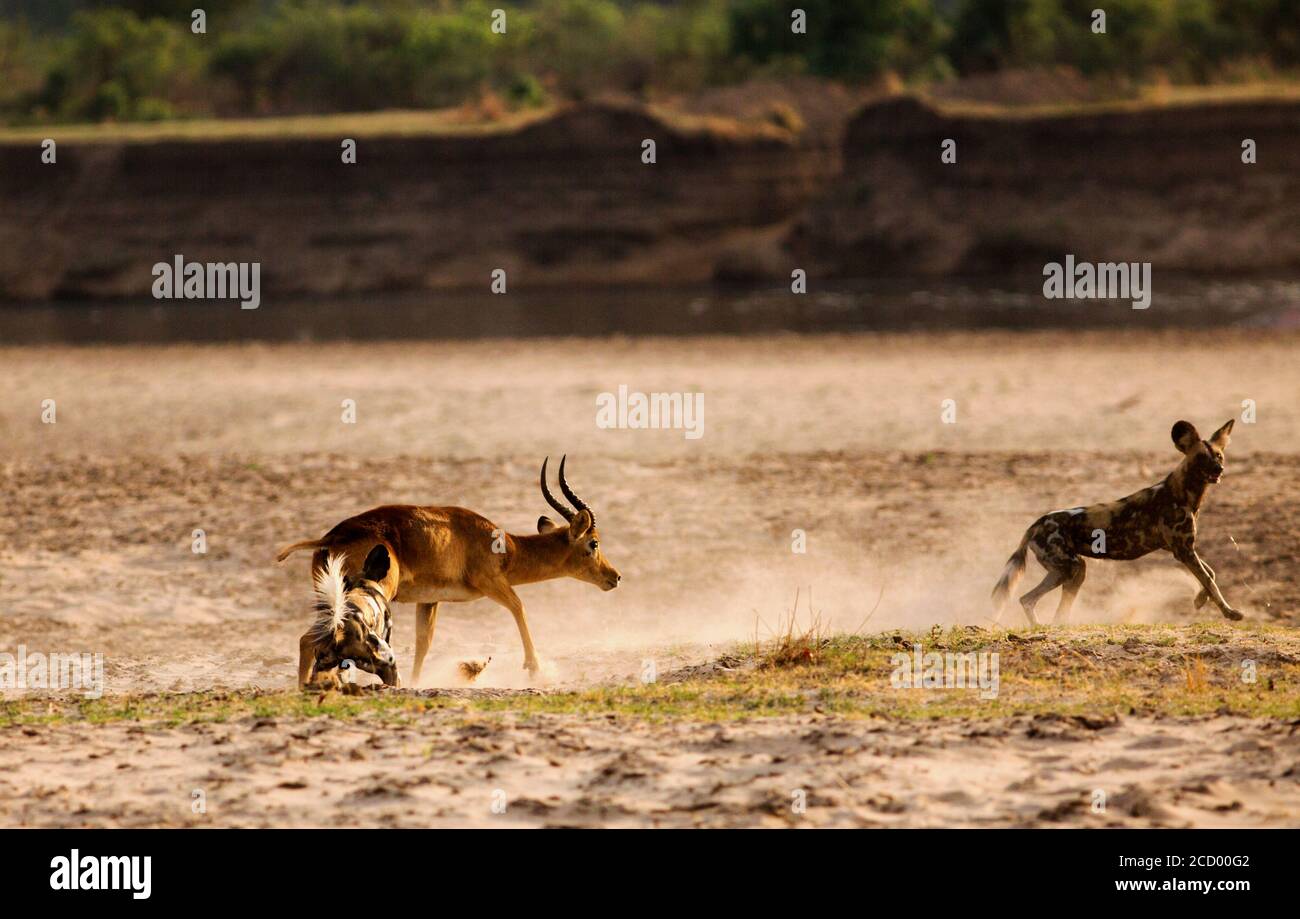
(584, 559)
(1203, 459)
(353, 620)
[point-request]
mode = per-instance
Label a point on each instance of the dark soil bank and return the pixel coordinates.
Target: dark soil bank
(569, 201)
(1166, 186)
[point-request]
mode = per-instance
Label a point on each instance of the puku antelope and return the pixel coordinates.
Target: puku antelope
(352, 623)
(1160, 517)
(453, 554)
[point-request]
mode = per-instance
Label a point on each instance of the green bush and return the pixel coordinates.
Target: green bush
(846, 39)
(113, 60)
(526, 91)
(1185, 39)
(124, 59)
(444, 59)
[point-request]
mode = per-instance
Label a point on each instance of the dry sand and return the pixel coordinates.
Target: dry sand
(570, 771)
(838, 436)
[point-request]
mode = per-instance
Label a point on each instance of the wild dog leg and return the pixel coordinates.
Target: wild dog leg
(1069, 590)
(1054, 579)
(1060, 563)
(426, 617)
(1200, 571)
(1204, 595)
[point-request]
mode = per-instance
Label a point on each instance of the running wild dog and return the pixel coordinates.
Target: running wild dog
(352, 623)
(1160, 517)
(453, 554)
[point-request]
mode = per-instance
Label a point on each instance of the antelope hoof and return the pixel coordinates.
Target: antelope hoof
(1201, 599)
(1232, 614)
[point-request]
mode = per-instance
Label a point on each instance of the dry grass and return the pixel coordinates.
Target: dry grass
(1195, 677)
(470, 119)
(793, 645)
(486, 114)
(1154, 97)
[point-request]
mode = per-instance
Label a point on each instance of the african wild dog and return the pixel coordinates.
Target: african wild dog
(453, 554)
(352, 623)
(1160, 517)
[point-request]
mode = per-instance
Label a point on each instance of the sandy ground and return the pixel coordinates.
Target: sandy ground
(840, 437)
(568, 771)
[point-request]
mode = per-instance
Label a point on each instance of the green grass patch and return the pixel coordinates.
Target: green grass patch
(1094, 671)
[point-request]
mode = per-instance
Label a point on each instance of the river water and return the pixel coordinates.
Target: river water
(892, 305)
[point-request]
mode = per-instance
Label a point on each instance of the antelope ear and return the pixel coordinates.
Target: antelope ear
(546, 524)
(579, 525)
(1221, 437)
(376, 564)
(1185, 436)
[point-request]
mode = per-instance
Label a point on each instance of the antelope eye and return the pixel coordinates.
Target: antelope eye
(593, 545)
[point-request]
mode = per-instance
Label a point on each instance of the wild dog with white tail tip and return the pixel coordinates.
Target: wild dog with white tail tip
(1160, 517)
(453, 554)
(352, 623)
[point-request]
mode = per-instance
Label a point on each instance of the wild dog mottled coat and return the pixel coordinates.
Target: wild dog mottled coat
(1162, 516)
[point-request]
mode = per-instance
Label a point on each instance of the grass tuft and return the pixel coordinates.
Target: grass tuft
(793, 645)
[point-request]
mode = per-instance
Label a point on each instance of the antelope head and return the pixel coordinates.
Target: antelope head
(583, 559)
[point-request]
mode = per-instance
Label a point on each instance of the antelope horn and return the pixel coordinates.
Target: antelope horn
(568, 493)
(550, 498)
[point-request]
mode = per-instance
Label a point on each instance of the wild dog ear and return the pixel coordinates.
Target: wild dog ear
(580, 525)
(376, 564)
(1221, 437)
(546, 524)
(1185, 436)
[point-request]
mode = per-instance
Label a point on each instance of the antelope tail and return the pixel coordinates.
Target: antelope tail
(1011, 574)
(290, 550)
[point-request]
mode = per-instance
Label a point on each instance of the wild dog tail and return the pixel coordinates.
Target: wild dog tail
(290, 550)
(331, 595)
(1011, 574)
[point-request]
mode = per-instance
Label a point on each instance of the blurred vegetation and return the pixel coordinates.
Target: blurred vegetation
(76, 60)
